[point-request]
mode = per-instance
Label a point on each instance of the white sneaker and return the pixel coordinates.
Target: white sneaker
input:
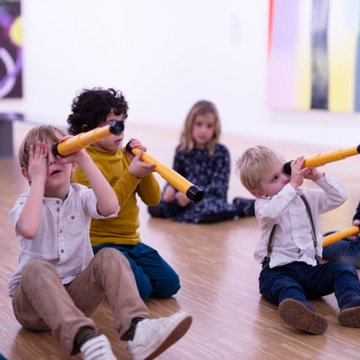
(153, 336)
(98, 348)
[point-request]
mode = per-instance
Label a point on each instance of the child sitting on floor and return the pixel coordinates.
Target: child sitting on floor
(59, 283)
(291, 243)
(205, 162)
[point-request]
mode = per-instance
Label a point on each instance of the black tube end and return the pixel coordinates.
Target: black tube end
(358, 149)
(287, 168)
(128, 147)
(117, 127)
(194, 193)
(55, 150)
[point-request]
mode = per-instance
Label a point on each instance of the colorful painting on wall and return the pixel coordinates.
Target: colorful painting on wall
(314, 55)
(10, 49)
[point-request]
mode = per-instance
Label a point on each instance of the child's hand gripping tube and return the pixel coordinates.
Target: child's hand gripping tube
(85, 139)
(337, 236)
(322, 159)
(191, 191)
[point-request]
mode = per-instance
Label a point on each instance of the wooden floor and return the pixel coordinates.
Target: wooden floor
(217, 269)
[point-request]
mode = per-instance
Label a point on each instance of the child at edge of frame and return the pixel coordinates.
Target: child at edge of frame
(129, 177)
(205, 162)
(348, 249)
(291, 243)
(59, 282)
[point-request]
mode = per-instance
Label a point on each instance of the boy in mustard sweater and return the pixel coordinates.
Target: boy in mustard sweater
(128, 176)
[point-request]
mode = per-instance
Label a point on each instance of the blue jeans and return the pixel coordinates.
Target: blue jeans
(344, 250)
(153, 275)
(301, 282)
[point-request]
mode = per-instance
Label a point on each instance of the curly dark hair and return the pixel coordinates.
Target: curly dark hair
(91, 107)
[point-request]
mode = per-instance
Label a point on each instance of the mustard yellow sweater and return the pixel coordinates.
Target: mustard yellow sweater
(123, 228)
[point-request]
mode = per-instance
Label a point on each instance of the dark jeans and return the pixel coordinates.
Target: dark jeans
(344, 250)
(153, 275)
(301, 282)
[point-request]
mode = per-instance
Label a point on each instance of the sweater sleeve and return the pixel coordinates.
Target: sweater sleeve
(149, 190)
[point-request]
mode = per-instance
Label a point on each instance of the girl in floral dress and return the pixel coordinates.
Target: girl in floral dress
(203, 161)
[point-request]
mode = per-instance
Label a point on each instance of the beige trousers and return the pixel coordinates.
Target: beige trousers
(42, 302)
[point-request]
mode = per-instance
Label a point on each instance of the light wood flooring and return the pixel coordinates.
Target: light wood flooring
(217, 270)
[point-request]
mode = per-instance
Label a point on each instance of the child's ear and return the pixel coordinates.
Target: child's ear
(73, 167)
(258, 194)
(25, 173)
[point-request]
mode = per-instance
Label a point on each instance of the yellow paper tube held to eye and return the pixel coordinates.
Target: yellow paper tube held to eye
(322, 159)
(85, 139)
(171, 176)
(337, 236)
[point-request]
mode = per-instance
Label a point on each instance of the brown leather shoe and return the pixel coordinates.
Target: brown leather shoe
(295, 314)
(350, 317)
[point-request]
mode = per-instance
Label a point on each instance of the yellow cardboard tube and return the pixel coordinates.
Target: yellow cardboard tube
(85, 139)
(171, 176)
(337, 236)
(322, 159)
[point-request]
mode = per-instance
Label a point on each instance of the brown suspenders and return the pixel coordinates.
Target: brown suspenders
(271, 238)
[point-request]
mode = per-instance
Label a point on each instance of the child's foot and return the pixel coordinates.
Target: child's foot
(97, 348)
(245, 207)
(295, 314)
(350, 317)
(153, 336)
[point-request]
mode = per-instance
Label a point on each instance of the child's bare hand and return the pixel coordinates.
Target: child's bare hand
(297, 173)
(38, 162)
(135, 143)
(75, 158)
(312, 174)
(182, 199)
(140, 169)
(169, 194)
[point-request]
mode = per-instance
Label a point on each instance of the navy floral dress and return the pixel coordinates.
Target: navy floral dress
(211, 174)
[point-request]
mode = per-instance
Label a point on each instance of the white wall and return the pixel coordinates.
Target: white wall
(164, 55)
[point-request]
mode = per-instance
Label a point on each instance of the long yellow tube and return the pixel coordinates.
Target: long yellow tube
(322, 159)
(337, 236)
(85, 139)
(172, 177)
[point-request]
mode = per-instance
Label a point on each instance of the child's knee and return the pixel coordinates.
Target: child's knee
(168, 287)
(111, 256)
(342, 270)
(342, 266)
(145, 290)
(174, 284)
(37, 269)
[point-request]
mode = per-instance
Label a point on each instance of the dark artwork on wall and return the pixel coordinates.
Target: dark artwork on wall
(10, 49)
(320, 56)
(314, 55)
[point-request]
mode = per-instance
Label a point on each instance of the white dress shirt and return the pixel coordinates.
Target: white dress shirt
(293, 239)
(63, 237)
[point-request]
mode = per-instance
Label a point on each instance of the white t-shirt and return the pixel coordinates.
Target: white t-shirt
(293, 239)
(63, 237)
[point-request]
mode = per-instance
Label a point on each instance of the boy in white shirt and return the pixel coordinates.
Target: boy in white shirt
(291, 242)
(59, 283)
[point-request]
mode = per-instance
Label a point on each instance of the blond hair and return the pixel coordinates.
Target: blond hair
(40, 133)
(201, 107)
(253, 163)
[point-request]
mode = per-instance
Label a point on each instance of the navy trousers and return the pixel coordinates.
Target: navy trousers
(153, 275)
(302, 282)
